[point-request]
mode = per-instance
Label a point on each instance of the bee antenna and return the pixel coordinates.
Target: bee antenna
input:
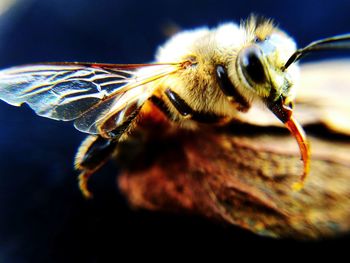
(331, 43)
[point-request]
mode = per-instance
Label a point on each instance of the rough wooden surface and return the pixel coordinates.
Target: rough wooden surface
(242, 174)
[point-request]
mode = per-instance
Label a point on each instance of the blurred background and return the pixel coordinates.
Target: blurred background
(43, 217)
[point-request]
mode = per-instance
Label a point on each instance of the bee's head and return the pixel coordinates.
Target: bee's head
(259, 64)
(261, 73)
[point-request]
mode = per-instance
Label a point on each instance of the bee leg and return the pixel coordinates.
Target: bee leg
(186, 111)
(95, 151)
(180, 105)
(160, 104)
(92, 154)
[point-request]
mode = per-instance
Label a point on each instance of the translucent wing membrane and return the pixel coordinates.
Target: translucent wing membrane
(88, 93)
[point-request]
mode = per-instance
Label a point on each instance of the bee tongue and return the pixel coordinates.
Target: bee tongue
(299, 134)
(285, 114)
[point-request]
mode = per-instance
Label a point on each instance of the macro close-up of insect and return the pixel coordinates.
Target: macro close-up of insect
(198, 128)
(202, 76)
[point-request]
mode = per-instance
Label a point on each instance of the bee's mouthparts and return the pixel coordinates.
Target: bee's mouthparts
(285, 114)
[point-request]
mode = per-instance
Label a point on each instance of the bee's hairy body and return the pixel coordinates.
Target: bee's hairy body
(198, 84)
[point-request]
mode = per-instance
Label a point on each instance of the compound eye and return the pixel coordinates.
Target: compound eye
(252, 66)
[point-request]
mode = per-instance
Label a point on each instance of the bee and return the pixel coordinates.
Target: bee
(200, 77)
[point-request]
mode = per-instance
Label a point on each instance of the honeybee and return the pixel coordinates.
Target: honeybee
(201, 76)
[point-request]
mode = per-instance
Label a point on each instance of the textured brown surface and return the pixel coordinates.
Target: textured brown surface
(242, 174)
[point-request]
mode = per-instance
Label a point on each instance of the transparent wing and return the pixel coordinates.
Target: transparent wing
(88, 93)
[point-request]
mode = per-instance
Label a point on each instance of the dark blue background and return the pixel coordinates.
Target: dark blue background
(43, 217)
